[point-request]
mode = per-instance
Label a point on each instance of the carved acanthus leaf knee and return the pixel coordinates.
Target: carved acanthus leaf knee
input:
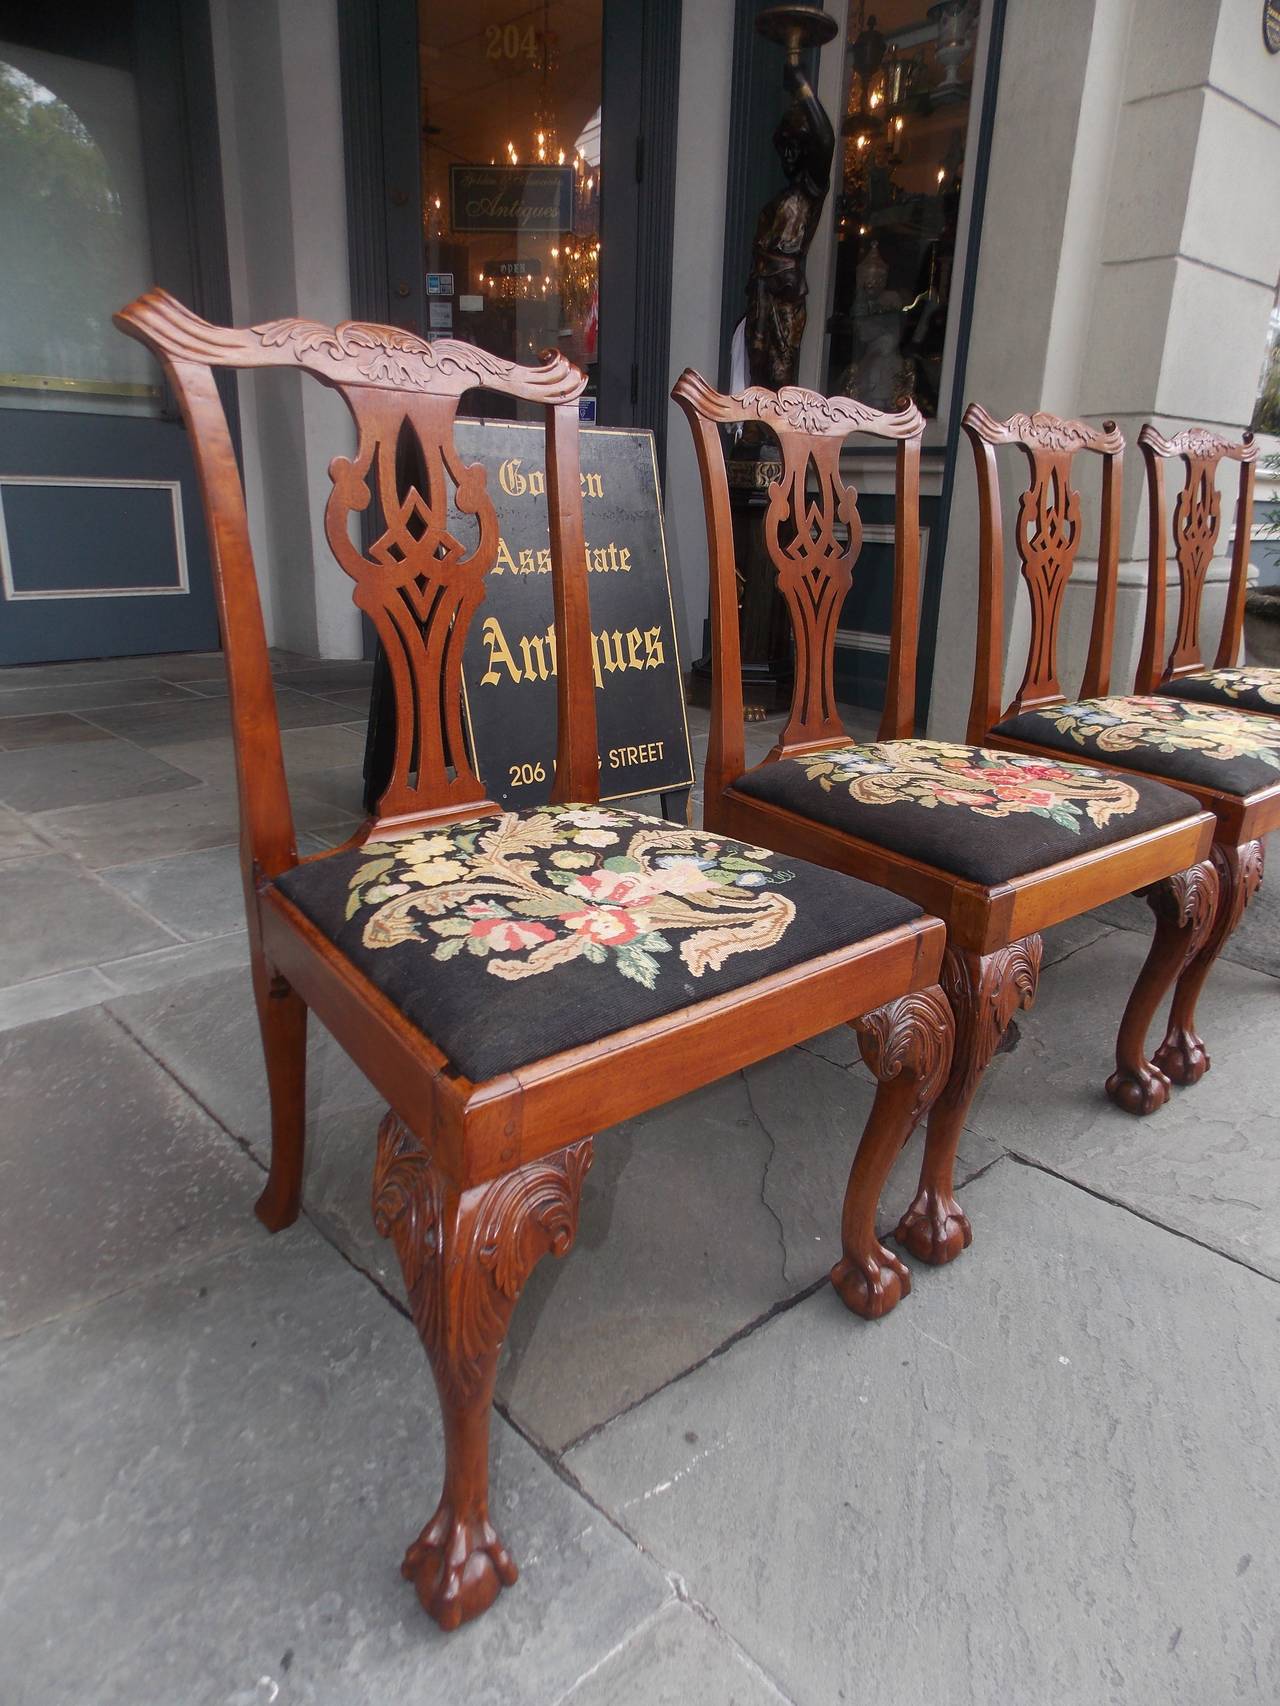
(985, 991)
(913, 1035)
(1187, 900)
(465, 1256)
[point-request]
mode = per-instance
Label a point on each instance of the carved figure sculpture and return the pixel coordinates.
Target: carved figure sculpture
(777, 288)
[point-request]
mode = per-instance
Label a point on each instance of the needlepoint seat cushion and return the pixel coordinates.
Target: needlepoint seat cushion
(1254, 688)
(509, 938)
(1201, 744)
(979, 814)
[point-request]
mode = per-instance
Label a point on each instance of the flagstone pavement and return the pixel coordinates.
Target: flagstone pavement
(1052, 1475)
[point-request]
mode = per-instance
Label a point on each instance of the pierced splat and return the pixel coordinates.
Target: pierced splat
(419, 583)
(814, 565)
(815, 572)
(1197, 515)
(1047, 536)
(1197, 525)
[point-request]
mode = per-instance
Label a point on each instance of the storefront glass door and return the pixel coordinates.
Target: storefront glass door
(510, 102)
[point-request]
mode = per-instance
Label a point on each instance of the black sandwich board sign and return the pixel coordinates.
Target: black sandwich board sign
(509, 664)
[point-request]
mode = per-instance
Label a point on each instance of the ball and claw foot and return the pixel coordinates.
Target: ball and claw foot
(1141, 1092)
(458, 1568)
(871, 1287)
(1181, 1057)
(935, 1228)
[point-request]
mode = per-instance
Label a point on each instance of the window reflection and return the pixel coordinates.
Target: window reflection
(74, 232)
(511, 175)
(907, 94)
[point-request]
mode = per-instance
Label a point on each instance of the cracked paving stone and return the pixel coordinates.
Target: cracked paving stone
(223, 1468)
(1051, 1474)
(1207, 1163)
(676, 1660)
(682, 1241)
(109, 1173)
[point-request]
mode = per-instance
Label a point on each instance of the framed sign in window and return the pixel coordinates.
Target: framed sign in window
(509, 666)
(511, 198)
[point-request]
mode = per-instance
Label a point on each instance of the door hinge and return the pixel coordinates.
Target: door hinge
(635, 383)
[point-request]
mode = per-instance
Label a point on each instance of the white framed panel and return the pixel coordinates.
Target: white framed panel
(13, 592)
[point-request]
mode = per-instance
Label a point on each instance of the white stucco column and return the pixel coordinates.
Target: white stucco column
(1127, 269)
(702, 168)
(280, 121)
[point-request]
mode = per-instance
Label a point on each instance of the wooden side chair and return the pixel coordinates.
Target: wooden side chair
(998, 847)
(1197, 523)
(1226, 761)
(510, 981)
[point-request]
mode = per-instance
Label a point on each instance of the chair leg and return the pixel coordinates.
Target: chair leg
(907, 1044)
(1182, 1054)
(985, 990)
(1184, 904)
(282, 1017)
(465, 1256)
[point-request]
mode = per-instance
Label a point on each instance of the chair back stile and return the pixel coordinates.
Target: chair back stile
(418, 583)
(1197, 519)
(814, 567)
(1047, 536)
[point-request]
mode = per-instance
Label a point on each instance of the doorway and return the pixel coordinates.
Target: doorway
(510, 182)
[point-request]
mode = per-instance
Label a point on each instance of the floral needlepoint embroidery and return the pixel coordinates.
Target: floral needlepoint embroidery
(1168, 725)
(533, 891)
(1244, 684)
(934, 773)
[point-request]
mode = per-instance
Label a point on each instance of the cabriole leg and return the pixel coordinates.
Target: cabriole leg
(985, 990)
(1182, 1054)
(1185, 905)
(282, 1017)
(465, 1256)
(907, 1044)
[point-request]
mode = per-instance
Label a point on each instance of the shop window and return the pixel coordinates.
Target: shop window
(1266, 412)
(899, 171)
(511, 175)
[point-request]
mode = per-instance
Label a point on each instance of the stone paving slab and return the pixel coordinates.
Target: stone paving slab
(678, 1659)
(17, 838)
(1255, 940)
(19, 700)
(1051, 1474)
(205, 1032)
(84, 773)
(207, 1486)
(50, 997)
(50, 728)
(197, 718)
(108, 1172)
(193, 894)
(125, 831)
(1208, 1163)
(54, 916)
(697, 1219)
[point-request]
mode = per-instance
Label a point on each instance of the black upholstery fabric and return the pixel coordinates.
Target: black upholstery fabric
(508, 939)
(1254, 688)
(976, 813)
(1203, 745)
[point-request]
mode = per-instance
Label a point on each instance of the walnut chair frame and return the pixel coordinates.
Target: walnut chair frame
(474, 1182)
(1047, 540)
(1197, 523)
(993, 943)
